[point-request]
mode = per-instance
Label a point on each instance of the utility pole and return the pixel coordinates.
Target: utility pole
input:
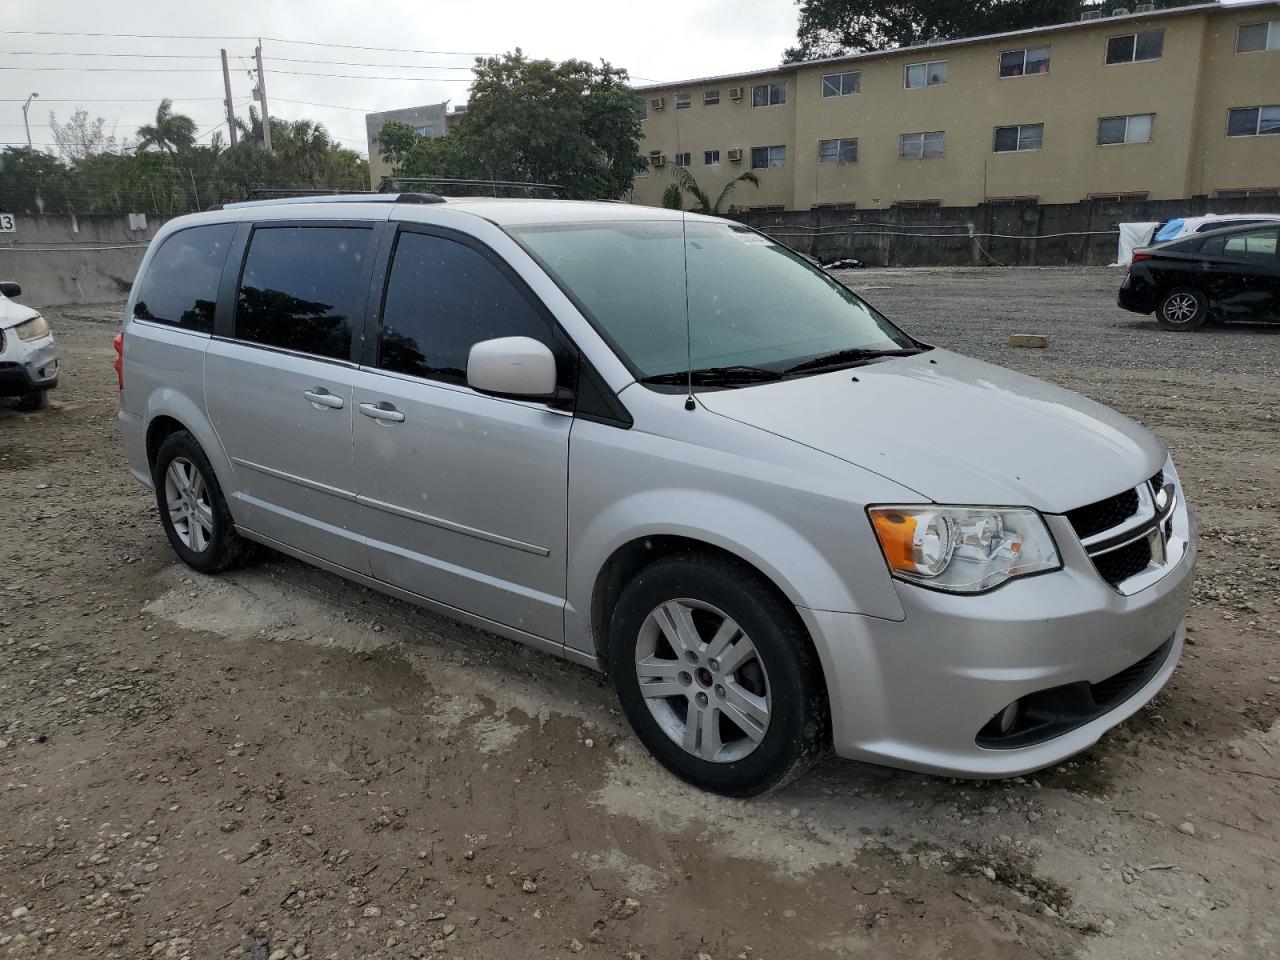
(262, 98)
(226, 85)
(25, 122)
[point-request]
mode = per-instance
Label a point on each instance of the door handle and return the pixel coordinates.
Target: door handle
(323, 398)
(382, 411)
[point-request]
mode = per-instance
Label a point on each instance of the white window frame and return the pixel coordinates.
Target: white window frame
(840, 148)
(1127, 118)
(1257, 123)
(840, 78)
(772, 87)
(711, 98)
(1019, 127)
(711, 158)
(688, 159)
(769, 157)
(1024, 51)
(683, 101)
(924, 138)
(1134, 58)
(928, 74)
(1270, 43)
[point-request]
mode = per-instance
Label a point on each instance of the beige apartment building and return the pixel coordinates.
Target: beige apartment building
(1160, 105)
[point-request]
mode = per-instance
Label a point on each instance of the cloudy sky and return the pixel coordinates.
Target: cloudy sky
(375, 53)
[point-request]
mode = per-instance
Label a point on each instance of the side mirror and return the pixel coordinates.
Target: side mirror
(9, 288)
(516, 367)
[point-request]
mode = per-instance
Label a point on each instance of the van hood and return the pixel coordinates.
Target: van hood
(956, 430)
(12, 314)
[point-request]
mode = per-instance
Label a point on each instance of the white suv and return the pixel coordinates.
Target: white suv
(664, 446)
(28, 357)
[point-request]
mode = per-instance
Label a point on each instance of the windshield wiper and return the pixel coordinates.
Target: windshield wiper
(716, 376)
(848, 358)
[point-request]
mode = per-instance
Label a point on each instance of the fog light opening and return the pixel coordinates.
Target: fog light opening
(1008, 717)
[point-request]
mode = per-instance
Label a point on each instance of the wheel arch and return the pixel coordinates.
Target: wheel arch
(169, 411)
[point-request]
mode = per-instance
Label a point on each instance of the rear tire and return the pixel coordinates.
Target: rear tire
(1183, 309)
(192, 509)
(717, 675)
(34, 400)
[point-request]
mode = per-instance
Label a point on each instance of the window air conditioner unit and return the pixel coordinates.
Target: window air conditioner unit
(1091, 15)
(735, 155)
(1143, 7)
(657, 160)
(657, 103)
(735, 93)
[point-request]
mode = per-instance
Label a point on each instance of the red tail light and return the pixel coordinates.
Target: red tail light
(118, 342)
(1141, 256)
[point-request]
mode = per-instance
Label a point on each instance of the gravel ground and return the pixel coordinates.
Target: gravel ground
(277, 764)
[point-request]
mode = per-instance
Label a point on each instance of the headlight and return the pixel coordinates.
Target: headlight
(33, 329)
(963, 549)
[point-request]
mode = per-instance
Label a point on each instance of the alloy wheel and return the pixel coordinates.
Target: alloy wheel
(187, 498)
(703, 680)
(1180, 308)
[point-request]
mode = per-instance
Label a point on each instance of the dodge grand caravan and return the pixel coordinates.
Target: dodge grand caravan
(667, 447)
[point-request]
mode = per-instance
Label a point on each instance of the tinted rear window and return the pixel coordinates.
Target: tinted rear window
(303, 288)
(180, 287)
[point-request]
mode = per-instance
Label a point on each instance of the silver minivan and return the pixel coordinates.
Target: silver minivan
(669, 448)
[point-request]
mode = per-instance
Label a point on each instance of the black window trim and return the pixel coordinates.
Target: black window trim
(228, 292)
(617, 415)
(217, 305)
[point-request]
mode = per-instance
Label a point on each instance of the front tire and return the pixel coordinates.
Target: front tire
(192, 509)
(717, 675)
(1182, 309)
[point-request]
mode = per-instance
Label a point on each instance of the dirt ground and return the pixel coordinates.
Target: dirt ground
(278, 764)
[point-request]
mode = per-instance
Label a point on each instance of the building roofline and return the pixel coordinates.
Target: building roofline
(959, 41)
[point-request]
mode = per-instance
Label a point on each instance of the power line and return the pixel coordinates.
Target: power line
(110, 99)
(193, 36)
(191, 56)
(347, 63)
(296, 73)
(331, 106)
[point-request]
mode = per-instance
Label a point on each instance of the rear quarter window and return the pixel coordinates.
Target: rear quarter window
(180, 287)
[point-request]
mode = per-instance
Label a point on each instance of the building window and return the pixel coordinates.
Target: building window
(683, 101)
(1134, 129)
(929, 74)
(1021, 63)
(1025, 136)
(769, 94)
(772, 208)
(1252, 37)
(1117, 197)
(710, 98)
(762, 157)
(834, 207)
(1253, 121)
(1134, 47)
(710, 157)
(684, 159)
(844, 150)
(642, 109)
(841, 84)
(914, 146)
(1010, 201)
(1245, 193)
(916, 204)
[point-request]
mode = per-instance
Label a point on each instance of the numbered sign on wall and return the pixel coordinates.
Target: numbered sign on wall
(8, 223)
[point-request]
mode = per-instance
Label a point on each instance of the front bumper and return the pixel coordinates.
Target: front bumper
(916, 693)
(27, 367)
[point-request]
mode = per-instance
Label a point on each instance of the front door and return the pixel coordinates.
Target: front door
(462, 496)
(1244, 273)
(279, 386)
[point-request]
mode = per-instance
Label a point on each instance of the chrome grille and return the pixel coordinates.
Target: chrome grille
(1127, 534)
(1103, 515)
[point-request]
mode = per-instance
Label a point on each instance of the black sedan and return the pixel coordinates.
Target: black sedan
(1227, 274)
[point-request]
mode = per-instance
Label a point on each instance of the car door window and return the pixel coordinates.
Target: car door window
(1253, 245)
(303, 288)
(444, 296)
(180, 287)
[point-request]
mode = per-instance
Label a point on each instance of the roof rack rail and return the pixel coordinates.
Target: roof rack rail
(490, 187)
(273, 197)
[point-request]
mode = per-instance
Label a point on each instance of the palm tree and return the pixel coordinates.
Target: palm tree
(685, 181)
(171, 132)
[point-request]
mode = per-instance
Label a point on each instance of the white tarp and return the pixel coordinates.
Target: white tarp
(1133, 235)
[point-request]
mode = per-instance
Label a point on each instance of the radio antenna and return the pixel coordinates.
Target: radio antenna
(689, 403)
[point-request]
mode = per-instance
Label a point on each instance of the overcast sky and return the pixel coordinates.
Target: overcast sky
(654, 41)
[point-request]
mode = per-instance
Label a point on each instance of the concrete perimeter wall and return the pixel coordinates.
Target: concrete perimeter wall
(61, 260)
(1046, 235)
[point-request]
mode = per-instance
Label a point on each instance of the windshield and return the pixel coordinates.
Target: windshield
(751, 301)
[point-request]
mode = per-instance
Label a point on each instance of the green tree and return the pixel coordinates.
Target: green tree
(171, 132)
(832, 27)
(397, 140)
(684, 181)
(572, 124)
(34, 183)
